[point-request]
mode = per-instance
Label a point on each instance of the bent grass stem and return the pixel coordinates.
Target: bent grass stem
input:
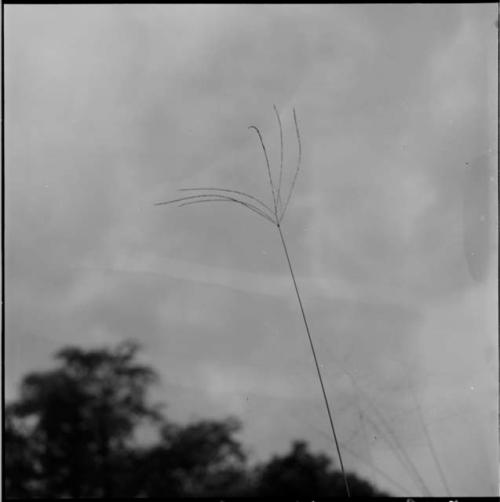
(238, 192)
(275, 217)
(227, 199)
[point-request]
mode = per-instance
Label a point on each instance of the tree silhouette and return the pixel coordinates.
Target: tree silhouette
(199, 459)
(77, 418)
(301, 473)
(71, 433)
(22, 471)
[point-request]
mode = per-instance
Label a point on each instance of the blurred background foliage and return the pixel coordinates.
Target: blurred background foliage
(72, 433)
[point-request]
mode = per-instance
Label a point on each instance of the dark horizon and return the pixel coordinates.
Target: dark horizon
(72, 433)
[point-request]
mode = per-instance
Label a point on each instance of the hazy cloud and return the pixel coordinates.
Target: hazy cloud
(109, 109)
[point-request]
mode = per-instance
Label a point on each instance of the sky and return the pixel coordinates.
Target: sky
(391, 229)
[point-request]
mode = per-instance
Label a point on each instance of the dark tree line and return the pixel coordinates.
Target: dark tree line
(71, 433)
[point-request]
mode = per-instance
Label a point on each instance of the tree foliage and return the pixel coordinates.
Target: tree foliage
(76, 418)
(303, 473)
(72, 431)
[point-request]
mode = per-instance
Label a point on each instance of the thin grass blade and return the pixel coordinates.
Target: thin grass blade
(430, 444)
(225, 199)
(278, 197)
(268, 167)
(306, 324)
(299, 161)
(229, 191)
(399, 451)
(228, 200)
(389, 436)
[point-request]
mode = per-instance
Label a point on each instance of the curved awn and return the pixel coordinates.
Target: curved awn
(274, 215)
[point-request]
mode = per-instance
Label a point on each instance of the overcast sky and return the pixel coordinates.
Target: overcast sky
(392, 228)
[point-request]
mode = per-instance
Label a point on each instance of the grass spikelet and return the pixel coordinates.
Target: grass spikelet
(274, 215)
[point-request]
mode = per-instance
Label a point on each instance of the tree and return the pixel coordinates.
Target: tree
(23, 472)
(77, 419)
(71, 434)
(304, 474)
(199, 459)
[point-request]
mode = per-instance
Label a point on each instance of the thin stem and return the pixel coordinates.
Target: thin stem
(315, 361)
(375, 468)
(281, 157)
(394, 443)
(221, 198)
(401, 454)
(370, 463)
(171, 201)
(230, 191)
(218, 196)
(431, 445)
(249, 205)
(268, 167)
(367, 441)
(209, 195)
(299, 160)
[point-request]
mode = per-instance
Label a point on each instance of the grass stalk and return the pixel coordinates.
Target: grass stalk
(306, 324)
(237, 192)
(216, 198)
(274, 216)
(389, 436)
(279, 202)
(369, 463)
(430, 444)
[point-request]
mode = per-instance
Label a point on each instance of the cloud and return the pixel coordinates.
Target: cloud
(112, 108)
